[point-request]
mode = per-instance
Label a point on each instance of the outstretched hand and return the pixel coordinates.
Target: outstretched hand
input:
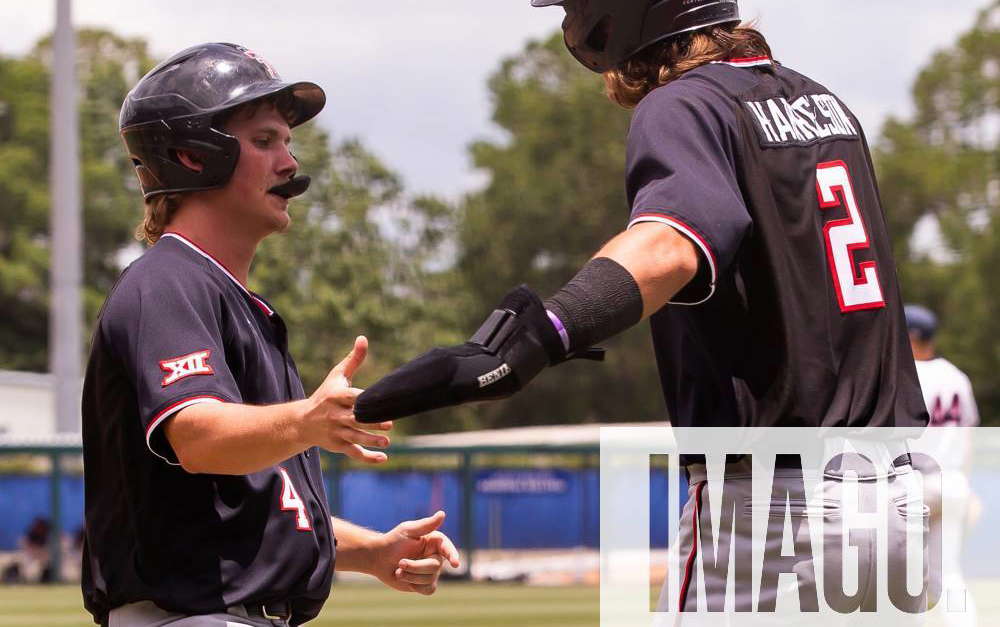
(411, 556)
(330, 417)
(512, 346)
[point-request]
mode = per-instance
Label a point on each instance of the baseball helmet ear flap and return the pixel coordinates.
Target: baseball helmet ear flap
(153, 149)
(597, 32)
(600, 35)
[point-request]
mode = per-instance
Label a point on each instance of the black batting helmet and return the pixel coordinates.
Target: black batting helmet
(602, 34)
(178, 104)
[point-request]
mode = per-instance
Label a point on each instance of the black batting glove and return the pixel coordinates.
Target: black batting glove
(514, 344)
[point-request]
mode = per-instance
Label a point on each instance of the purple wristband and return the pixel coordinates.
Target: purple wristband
(560, 329)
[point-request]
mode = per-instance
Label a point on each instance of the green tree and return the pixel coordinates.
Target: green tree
(23, 214)
(339, 273)
(356, 260)
(554, 196)
(945, 162)
(106, 65)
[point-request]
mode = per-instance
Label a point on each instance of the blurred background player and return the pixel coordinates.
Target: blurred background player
(951, 405)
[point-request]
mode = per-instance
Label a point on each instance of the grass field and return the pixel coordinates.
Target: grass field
(359, 605)
(362, 605)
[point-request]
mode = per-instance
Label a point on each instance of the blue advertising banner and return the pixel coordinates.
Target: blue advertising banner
(519, 482)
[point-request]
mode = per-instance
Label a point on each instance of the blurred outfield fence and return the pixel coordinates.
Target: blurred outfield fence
(499, 499)
(508, 506)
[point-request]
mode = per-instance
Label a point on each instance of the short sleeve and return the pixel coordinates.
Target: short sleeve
(680, 171)
(169, 333)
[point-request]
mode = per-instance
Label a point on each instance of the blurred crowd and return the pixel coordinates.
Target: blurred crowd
(32, 561)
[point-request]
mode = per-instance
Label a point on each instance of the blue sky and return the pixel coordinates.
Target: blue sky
(409, 76)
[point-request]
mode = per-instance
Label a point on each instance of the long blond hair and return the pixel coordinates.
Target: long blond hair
(158, 213)
(661, 63)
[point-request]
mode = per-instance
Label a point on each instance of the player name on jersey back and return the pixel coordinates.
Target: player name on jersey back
(805, 120)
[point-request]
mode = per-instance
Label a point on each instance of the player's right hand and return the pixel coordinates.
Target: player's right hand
(330, 417)
(512, 346)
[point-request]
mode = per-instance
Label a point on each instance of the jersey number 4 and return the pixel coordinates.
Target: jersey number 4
(856, 289)
(291, 501)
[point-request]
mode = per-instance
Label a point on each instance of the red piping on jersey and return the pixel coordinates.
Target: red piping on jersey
(711, 253)
(207, 254)
(156, 419)
(261, 304)
(748, 59)
(689, 566)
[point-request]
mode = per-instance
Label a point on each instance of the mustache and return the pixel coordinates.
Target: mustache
(291, 188)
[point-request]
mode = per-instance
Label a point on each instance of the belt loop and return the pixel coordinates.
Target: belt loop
(272, 611)
(269, 616)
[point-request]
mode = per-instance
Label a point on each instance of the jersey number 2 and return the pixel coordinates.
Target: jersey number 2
(856, 290)
(291, 501)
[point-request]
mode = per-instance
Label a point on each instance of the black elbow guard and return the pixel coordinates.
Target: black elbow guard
(510, 348)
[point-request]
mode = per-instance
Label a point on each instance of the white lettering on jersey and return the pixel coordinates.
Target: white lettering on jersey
(798, 118)
(185, 366)
(856, 289)
(836, 128)
(763, 121)
(807, 119)
(292, 502)
(780, 122)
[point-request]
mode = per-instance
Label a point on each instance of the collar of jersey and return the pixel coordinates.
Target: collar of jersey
(260, 303)
(747, 62)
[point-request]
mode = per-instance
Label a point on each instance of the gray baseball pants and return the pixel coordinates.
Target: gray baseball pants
(147, 614)
(697, 545)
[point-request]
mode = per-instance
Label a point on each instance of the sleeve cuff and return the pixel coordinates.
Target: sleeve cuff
(167, 453)
(685, 297)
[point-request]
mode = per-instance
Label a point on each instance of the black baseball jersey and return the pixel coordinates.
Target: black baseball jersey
(794, 318)
(179, 329)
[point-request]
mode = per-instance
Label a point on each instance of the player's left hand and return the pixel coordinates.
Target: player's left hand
(411, 556)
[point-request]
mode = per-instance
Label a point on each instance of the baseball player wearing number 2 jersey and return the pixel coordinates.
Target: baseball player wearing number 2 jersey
(757, 247)
(205, 501)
